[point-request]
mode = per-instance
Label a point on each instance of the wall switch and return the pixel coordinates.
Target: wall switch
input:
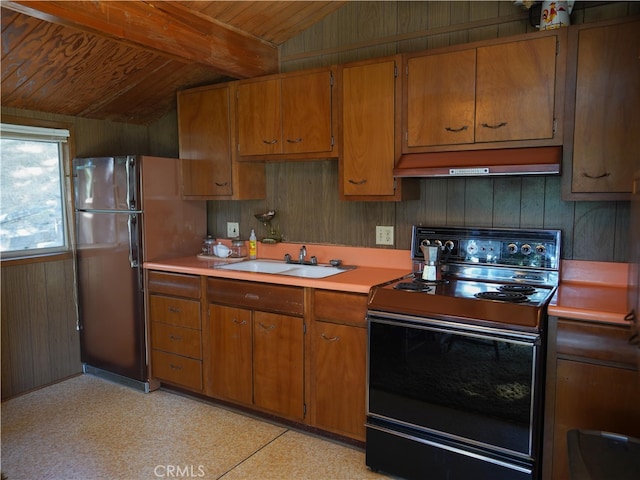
(384, 235)
(233, 229)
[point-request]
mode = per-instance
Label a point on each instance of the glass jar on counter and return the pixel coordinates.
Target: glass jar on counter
(238, 249)
(207, 245)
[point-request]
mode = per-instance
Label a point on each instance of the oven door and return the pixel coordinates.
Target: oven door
(460, 382)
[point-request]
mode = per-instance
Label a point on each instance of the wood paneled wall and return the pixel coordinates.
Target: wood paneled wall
(305, 194)
(40, 343)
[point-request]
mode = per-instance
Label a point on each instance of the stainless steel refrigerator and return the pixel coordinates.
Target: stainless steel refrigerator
(128, 210)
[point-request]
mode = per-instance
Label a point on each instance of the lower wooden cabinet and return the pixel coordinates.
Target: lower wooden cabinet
(278, 364)
(175, 329)
(338, 363)
(248, 343)
(231, 354)
(592, 384)
(257, 353)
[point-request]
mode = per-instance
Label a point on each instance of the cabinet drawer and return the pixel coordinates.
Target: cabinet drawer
(174, 311)
(174, 284)
(176, 369)
(340, 307)
(260, 296)
(172, 339)
(597, 341)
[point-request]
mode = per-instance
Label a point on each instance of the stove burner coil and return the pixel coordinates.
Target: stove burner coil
(503, 296)
(412, 287)
(524, 289)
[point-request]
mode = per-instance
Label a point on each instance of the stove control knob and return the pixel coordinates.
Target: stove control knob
(526, 249)
(540, 249)
(448, 245)
(512, 248)
(472, 248)
(437, 243)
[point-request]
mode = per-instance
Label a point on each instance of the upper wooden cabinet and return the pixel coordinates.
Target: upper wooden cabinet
(288, 115)
(368, 97)
(206, 137)
(603, 114)
(498, 94)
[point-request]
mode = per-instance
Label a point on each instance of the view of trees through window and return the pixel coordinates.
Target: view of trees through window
(32, 207)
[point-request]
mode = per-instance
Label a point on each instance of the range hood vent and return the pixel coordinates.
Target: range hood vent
(473, 163)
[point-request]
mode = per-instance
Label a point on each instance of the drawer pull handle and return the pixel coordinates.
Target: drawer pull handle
(297, 140)
(499, 125)
(175, 310)
(251, 296)
(175, 367)
(358, 182)
(329, 339)
(173, 337)
(268, 328)
(270, 142)
(239, 322)
(456, 130)
(595, 177)
(221, 184)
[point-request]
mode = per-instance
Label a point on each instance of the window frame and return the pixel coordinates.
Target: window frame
(67, 153)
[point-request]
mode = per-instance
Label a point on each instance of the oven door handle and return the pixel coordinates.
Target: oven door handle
(474, 331)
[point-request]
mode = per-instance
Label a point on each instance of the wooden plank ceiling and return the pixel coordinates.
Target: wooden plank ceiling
(125, 60)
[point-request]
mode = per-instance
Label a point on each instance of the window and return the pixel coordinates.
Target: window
(32, 204)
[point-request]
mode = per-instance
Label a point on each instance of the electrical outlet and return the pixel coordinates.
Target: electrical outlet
(233, 229)
(384, 235)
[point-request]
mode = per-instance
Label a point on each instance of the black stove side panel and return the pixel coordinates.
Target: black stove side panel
(397, 455)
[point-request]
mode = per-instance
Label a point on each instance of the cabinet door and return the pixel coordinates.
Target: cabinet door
(306, 113)
(205, 142)
(339, 379)
(515, 90)
(606, 138)
(230, 340)
(368, 122)
(259, 118)
(441, 95)
(593, 397)
(278, 362)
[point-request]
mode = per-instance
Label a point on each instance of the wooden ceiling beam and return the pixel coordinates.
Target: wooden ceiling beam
(164, 27)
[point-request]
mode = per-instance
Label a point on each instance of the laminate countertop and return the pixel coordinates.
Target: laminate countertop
(592, 291)
(373, 266)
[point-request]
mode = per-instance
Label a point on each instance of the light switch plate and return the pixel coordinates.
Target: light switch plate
(384, 235)
(233, 229)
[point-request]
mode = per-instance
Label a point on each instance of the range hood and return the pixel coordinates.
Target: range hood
(473, 163)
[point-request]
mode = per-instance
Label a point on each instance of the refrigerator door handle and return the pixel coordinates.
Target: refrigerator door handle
(133, 253)
(131, 200)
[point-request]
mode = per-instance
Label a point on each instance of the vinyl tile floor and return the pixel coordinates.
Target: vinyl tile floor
(88, 428)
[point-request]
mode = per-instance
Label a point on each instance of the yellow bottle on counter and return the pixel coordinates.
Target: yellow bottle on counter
(253, 245)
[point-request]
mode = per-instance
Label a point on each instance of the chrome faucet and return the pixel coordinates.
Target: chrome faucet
(303, 254)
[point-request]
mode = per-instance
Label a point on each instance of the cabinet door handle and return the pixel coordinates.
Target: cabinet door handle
(221, 184)
(329, 339)
(499, 125)
(455, 130)
(595, 177)
(175, 310)
(358, 182)
(239, 322)
(297, 140)
(175, 338)
(251, 296)
(270, 142)
(268, 328)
